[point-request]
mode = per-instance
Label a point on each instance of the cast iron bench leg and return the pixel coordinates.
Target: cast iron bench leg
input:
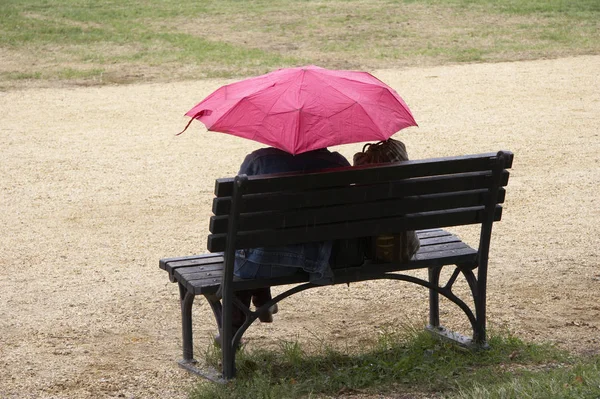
(231, 340)
(478, 294)
(217, 309)
(187, 300)
(434, 297)
(477, 290)
(479, 335)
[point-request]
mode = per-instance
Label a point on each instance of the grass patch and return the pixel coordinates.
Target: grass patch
(572, 381)
(409, 361)
(22, 75)
(154, 40)
(70, 73)
(524, 7)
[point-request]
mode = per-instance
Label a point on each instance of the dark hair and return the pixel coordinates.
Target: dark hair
(389, 150)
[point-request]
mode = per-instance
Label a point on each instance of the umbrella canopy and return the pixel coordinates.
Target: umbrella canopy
(306, 108)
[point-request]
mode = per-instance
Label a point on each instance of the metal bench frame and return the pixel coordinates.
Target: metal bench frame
(434, 188)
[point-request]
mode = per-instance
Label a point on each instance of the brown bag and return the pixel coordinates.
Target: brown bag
(393, 247)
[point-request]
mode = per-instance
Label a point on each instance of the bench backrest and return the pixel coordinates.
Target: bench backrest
(279, 209)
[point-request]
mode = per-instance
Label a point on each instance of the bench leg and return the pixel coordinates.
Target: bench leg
(217, 309)
(479, 333)
(188, 362)
(187, 300)
(227, 349)
(232, 335)
(476, 318)
(434, 297)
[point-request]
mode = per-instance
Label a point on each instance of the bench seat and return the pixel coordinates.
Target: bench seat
(201, 274)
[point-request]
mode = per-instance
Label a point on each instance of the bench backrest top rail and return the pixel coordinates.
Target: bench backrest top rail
(354, 202)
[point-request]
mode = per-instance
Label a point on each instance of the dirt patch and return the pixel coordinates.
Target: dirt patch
(96, 188)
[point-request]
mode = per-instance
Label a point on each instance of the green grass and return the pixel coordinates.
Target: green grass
(577, 380)
(22, 75)
(412, 362)
(154, 40)
(525, 7)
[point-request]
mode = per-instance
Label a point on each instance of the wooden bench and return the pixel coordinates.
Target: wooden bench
(345, 203)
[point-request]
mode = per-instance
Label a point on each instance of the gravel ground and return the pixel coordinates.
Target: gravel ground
(96, 188)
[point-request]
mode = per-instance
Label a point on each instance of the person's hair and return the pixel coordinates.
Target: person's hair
(389, 150)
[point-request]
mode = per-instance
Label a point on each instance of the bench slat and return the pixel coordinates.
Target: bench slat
(367, 173)
(163, 264)
(443, 247)
(212, 262)
(198, 261)
(465, 255)
(426, 241)
(281, 201)
(365, 210)
(432, 233)
(372, 227)
(208, 270)
(172, 264)
(368, 271)
(440, 248)
(199, 276)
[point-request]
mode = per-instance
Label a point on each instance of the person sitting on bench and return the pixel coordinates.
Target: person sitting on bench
(282, 261)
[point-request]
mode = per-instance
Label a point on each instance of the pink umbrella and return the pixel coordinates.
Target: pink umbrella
(306, 108)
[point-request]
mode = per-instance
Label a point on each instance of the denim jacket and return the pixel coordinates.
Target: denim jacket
(311, 257)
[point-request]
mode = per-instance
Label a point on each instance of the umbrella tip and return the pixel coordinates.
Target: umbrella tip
(195, 116)
(203, 112)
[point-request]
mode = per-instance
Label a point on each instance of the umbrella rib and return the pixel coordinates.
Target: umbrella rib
(274, 103)
(404, 106)
(366, 113)
(372, 121)
(327, 83)
(231, 108)
(347, 96)
(267, 113)
(383, 86)
(248, 98)
(355, 102)
(297, 135)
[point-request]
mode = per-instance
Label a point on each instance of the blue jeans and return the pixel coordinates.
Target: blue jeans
(247, 269)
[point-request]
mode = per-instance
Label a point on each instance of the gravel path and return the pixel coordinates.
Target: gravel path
(95, 188)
